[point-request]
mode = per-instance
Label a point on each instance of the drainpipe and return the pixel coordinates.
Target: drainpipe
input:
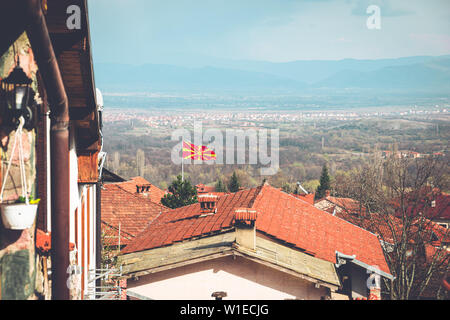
(98, 216)
(59, 141)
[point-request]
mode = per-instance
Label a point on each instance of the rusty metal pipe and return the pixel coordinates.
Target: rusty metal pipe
(26, 15)
(59, 145)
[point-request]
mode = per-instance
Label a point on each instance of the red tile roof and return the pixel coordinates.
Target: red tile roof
(44, 242)
(279, 215)
(306, 197)
(110, 235)
(348, 204)
(154, 193)
(430, 202)
(389, 228)
(131, 210)
(439, 208)
(201, 188)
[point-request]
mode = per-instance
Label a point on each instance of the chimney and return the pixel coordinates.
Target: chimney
(375, 293)
(143, 189)
(245, 227)
(208, 202)
(327, 193)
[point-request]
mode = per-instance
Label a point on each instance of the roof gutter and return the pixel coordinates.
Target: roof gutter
(340, 256)
(38, 35)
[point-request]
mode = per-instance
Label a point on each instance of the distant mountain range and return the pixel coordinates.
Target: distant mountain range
(421, 73)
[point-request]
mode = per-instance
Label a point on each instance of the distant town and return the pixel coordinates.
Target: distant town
(161, 119)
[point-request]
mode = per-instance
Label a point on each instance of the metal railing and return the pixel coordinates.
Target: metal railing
(109, 289)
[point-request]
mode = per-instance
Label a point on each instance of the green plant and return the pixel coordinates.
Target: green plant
(325, 183)
(234, 184)
(181, 193)
(22, 199)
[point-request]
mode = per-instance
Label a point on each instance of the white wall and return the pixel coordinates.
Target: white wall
(241, 279)
(82, 222)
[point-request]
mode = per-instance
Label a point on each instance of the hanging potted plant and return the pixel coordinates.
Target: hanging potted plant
(21, 214)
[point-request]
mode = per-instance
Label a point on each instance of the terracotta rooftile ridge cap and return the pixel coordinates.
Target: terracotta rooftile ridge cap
(139, 177)
(258, 194)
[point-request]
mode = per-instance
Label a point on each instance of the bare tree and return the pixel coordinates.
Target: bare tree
(395, 200)
(115, 163)
(140, 162)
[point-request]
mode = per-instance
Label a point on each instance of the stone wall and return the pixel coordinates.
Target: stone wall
(19, 274)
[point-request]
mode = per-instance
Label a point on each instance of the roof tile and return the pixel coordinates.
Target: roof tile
(280, 216)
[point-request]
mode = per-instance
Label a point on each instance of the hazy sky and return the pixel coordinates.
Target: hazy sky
(162, 31)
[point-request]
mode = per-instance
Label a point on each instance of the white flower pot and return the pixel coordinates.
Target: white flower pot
(18, 216)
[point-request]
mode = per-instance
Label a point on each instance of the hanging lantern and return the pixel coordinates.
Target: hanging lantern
(17, 94)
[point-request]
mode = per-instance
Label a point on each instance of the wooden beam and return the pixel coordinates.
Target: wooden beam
(88, 168)
(139, 273)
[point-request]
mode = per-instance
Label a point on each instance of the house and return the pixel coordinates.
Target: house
(125, 212)
(201, 188)
(258, 243)
(110, 177)
(142, 188)
(62, 150)
(426, 209)
(339, 205)
(433, 204)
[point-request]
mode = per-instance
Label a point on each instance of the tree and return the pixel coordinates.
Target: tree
(234, 184)
(288, 188)
(115, 162)
(395, 199)
(140, 162)
(181, 193)
(324, 183)
(220, 186)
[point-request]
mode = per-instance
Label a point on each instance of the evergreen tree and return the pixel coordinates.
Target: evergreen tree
(182, 193)
(220, 186)
(324, 183)
(234, 185)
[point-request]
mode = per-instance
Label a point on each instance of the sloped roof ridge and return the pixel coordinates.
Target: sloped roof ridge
(258, 194)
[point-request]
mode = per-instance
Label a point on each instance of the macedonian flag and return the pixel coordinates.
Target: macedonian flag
(191, 151)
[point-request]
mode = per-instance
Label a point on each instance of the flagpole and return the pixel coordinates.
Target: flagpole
(182, 169)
